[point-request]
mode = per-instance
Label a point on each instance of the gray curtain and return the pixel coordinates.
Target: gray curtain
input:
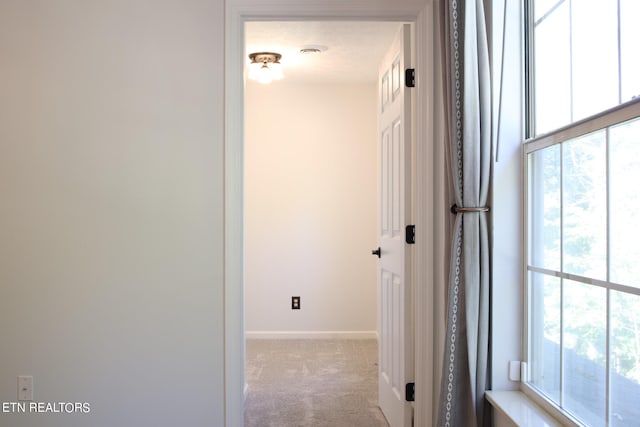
(467, 96)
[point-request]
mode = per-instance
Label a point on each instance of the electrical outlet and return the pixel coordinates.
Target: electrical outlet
(25, 387)
(514, 370)
(295, 303)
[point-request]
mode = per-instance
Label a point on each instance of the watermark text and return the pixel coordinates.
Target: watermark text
(46, 407)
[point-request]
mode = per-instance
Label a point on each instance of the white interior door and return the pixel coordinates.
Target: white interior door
(394, 281)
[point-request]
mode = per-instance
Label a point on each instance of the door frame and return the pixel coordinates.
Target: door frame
(424, 179)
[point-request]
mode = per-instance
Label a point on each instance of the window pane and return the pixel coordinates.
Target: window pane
(545, 334)
(629, 42)
(625, 359)
(584, 352)
(544, 204)
(595, 56)
(585, 59)
(553, 71)
(541, 7)
(584, 212)
(624, 197)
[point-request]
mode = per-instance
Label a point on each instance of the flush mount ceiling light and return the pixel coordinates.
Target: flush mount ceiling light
(265, 67)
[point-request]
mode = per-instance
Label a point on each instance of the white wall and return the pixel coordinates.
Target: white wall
(507, 199)
(311, 185)
(111, 201)
(501, 420)
(111, 136)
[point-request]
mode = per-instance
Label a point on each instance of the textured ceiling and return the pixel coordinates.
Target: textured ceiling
(354, 49)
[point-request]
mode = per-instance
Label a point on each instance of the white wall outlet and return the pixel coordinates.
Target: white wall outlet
(25, 387)
(514, 370)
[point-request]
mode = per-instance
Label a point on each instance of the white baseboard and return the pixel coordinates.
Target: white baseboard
(311, 335)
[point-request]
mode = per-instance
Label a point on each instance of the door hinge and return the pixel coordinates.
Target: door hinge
(410, 392)
(410, 77)
(410, 234)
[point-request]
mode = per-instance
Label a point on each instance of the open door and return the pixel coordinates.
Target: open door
(394, 281)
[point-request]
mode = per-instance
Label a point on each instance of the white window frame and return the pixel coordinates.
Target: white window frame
(603, 120)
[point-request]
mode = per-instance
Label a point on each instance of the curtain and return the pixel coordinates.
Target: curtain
(467, 101)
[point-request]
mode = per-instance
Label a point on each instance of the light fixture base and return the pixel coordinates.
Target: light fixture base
(265, 57)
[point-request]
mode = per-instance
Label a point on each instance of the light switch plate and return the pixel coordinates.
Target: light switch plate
(25, 387)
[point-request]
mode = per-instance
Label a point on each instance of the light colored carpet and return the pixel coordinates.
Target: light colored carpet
(309, 383)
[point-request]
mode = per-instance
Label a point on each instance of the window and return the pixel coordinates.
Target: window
(583, 208)
(583, 59)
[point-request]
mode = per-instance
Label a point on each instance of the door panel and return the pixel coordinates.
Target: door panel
(396, 352)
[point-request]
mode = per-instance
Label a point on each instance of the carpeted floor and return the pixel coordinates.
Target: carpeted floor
(309, 383)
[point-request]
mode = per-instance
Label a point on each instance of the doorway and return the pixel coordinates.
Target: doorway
(249, 10)
(311, 181)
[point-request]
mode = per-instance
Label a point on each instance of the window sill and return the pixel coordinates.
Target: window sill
(520, 410)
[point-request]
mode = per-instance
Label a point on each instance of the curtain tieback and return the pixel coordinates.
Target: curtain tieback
(456, 210)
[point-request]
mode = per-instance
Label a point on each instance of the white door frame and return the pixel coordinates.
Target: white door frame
(237, 13)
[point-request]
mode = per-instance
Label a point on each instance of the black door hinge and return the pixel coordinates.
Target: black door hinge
(410, 392)
(410, 234)
(410, 77)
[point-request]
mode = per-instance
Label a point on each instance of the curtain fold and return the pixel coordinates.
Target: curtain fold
(467, 97)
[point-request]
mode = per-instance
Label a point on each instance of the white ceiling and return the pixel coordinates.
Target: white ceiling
(354, 49)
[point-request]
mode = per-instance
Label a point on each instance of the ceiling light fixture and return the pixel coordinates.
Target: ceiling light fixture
(265, 67)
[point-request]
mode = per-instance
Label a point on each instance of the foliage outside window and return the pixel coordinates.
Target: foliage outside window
(583, 241)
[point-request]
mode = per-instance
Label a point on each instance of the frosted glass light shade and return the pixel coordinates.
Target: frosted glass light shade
(265, 67)
(265, 76)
